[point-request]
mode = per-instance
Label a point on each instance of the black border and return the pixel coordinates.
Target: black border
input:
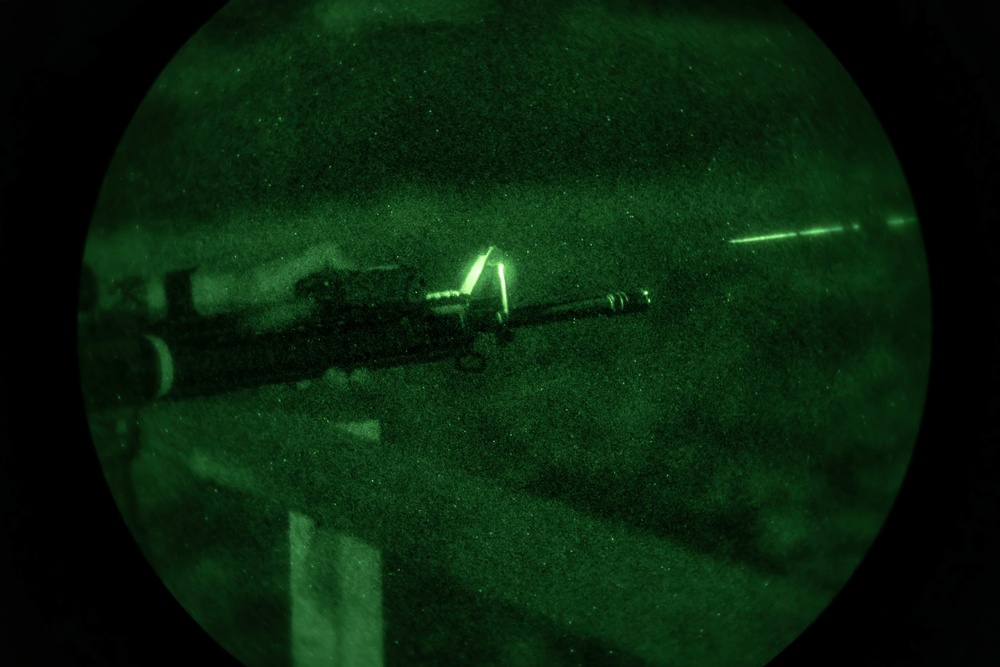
(76, 590)
(926, 593)
(80, 590)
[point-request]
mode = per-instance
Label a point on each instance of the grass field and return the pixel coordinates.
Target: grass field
(752, 430)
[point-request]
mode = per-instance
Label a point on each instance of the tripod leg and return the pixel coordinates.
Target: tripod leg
(118, 438)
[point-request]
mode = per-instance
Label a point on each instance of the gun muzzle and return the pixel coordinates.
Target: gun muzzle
(613, 303)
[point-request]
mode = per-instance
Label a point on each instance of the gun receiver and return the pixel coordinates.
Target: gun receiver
(373, 319)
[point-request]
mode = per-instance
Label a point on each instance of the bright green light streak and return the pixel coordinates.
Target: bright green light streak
(769, 237)
(821, 230)
(786, 235)
(503, 289)
(477, 270)
(897, 221)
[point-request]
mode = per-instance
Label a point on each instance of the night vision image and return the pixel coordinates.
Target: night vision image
(504, 333)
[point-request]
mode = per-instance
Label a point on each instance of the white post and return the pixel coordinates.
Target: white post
(336, 591)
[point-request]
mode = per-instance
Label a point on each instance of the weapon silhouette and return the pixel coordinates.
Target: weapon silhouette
(374, 318)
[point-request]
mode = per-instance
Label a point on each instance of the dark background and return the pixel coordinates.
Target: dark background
(923, 595)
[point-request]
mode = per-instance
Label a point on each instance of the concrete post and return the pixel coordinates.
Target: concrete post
(336, 591)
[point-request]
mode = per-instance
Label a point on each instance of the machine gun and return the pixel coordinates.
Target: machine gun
(372, 318)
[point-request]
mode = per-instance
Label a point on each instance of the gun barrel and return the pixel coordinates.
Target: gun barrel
(622, 302)
(212, 356)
